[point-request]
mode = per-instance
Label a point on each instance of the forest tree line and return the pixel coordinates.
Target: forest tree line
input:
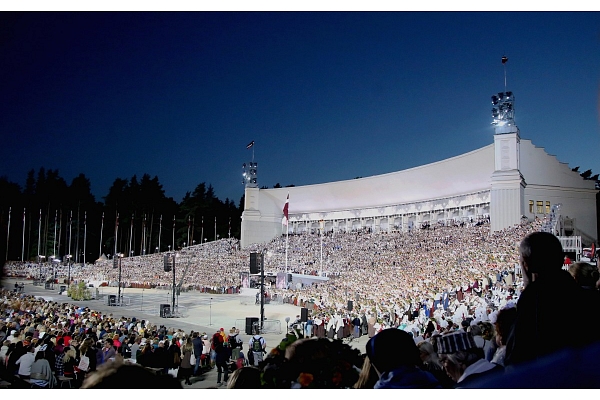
(50, 217)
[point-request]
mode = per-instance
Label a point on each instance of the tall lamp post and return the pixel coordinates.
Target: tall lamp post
(210, 312)
(262, 290)
(173, 302)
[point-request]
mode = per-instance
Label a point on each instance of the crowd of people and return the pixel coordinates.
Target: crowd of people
(45, 343)
(473, 304)
(449, 272)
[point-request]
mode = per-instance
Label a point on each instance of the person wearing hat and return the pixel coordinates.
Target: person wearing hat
(395, 357)
(462, 359)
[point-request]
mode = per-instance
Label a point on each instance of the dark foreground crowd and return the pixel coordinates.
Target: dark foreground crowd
(548, 339)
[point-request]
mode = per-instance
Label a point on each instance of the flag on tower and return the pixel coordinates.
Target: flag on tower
(284, 221)
(504, 59)
(250, 144)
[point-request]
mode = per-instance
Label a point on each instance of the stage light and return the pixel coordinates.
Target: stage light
(494, 100)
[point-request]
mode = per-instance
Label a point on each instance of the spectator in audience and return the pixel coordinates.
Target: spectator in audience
(504, 321)
(432, 364)
(395, 357)
(198, 350)
(550, 294)
(244, 378)
(462, 359)
(25, 362)
(41, 373)
(119, 375)
(367, 377)
(186, 368)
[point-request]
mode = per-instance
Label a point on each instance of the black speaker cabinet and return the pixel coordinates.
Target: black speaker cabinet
(112, 300)
(350, 305)
(303, 314)
(249, 324)
(165, 310)
(255, 261)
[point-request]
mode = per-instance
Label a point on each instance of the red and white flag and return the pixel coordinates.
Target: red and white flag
(284, 221)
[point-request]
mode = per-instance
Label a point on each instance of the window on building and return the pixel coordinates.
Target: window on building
(540, 207)
(530, 206)
(547, 207)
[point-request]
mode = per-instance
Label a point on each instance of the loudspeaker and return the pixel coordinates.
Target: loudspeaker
(112, 300)
(165, 310)
(350, 305)
(249, 324)
(289, 278)
(303, 314)
(255, 260)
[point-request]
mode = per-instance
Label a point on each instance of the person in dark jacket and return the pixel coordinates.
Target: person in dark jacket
(395, 357)
(223, 355)
(198, 350)
(551, 294)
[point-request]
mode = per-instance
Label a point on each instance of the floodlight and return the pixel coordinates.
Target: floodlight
(494, 100)
(500, 95)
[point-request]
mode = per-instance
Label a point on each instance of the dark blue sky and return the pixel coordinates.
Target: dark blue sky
(325, 96)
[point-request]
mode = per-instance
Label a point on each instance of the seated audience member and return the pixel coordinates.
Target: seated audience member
(504, 322)
(463, 361)
(119, 375)
(41, 373)
(432, 364)
(395, 357)
(367, 377)
(244, 378)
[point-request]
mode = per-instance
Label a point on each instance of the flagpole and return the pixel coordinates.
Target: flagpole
(215, 229)
(173, 233)
(54, 244)
(321, 269)
(84, 234)
(159, 232)
(59, 231)
(23, 241)
(70, 233)
(287, 232)
(39, 234)
(8, 233)
(188, 235)
(202, 231)
(101, 229)
(131, 236)
(116, 235)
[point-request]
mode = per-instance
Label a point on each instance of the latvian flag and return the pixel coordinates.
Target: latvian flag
(284, 221)
(250, 144)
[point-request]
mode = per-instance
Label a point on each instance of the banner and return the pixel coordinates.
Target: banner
(245, 278)
(280, 283)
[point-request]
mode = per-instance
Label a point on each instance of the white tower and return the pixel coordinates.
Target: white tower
(507, 204)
